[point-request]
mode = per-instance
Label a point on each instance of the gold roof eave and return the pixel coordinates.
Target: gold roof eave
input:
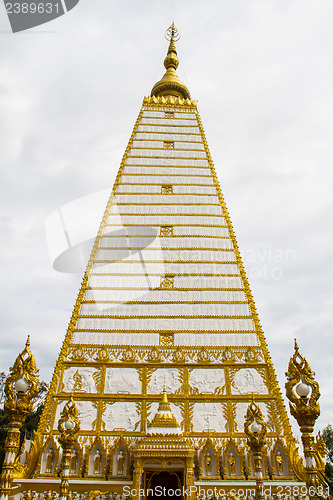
(170, 87)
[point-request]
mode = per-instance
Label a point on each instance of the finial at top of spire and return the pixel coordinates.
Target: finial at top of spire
(172, 33)
(170, 83)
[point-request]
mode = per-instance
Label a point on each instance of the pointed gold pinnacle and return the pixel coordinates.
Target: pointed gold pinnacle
(170, 85)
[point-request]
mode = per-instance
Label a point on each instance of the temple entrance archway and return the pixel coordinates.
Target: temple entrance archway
(164, 485)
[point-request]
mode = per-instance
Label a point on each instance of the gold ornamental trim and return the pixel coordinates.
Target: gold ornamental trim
(169, 101)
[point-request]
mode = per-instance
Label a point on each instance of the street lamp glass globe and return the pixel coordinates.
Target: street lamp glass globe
(69, 424)
(21, 385)
(302, 390)
(255, 427)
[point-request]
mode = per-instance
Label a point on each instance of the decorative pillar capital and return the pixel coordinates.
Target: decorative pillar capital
(69, 424)
(69, 427)
(21, 388)
(303, 393)
(302, 390)
(255, 428)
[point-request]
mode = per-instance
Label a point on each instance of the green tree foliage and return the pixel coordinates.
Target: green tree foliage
(328, 438)
(31, 422)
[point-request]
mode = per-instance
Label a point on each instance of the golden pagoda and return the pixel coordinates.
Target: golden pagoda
(164, 351)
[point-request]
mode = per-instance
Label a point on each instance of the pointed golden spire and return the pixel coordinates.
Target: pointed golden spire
(164, 403)
(164, 419)
(170, 83)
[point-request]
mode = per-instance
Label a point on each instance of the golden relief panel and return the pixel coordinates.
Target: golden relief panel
(121, 416)
(208, 416)
(122, 381)
(207, 381)
(169, 378)
(81, 379)
(247, 381)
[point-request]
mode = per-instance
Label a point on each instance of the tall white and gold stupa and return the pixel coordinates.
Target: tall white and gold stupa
(164, 350)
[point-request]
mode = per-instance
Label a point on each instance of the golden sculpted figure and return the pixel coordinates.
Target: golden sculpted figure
(208, 465)
(49, 460)
(279, 463)
(97, 462)
(232, 464)
(73, 463)
(121, 460)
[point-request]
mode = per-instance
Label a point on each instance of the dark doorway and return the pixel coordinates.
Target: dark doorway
(164, 485)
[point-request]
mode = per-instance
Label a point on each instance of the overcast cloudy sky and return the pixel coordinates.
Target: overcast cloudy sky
(262, 73)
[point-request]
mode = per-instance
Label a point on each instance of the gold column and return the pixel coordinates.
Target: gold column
(137, 472)
(190, 478)
(68, 426)
(255, 428)
(20, 390)
(304, 406)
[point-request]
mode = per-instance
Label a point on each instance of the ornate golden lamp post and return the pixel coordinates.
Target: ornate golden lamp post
(255, 428)
(304, 407)
(20, 390)
(68, 426)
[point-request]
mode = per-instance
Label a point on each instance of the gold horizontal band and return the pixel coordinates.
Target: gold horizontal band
(168, 204)
(178, 125)
(171, 236)
(168, 248)
(167, 118)
(169, 215)
(165, 316)
(141, 148)
(167, 302)
(159, 184)
(167, 133)
(163, 274)
(203, 158)
(143, 193)
(110, 397)
(155, 165)
(169, 261)
(136, 330)
(170, 175)
(167, 349)
(176, 140)
(174, 225)
(174, 289)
